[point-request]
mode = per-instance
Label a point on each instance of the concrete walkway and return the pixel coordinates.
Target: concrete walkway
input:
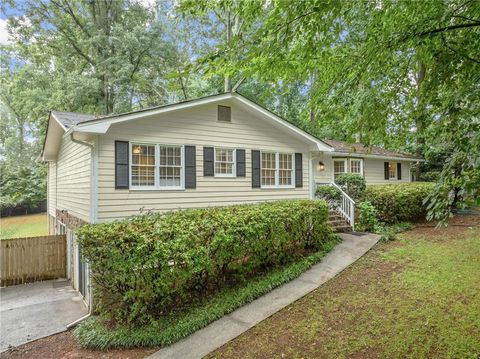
(232, 325)
(36, 310)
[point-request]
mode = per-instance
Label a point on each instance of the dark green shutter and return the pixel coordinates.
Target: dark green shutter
(399, 171)
(240, 163)
(190, 167)
(385, 170)
(298, 170)
(255, 169)
(208, 154)
(122, 164)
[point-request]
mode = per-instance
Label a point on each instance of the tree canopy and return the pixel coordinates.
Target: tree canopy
(401, 74)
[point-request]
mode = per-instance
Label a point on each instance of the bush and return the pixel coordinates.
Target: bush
(367, 219)
(146, 266)
(399, 202)
(352, 184)
(330, 194)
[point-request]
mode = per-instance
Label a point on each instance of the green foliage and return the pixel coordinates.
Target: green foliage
(399, 202)
(330, 194)
(353, 184)
(367, 218)
(94, 333)
(146, 266)
(389, 232)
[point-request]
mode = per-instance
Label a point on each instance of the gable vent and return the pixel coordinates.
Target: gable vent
(224, 114)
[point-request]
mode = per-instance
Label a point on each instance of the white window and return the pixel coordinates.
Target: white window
(339, 167)
(143, 165)
(277, 169)
(170, 166)
(392, 170)
(225, 162)
(356, 166)
(154, 166)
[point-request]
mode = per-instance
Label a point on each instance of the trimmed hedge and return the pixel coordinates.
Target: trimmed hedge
(399, 202)
(146, 266)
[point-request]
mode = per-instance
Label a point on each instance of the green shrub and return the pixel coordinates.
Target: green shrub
(352, 184)
(399, 202)
(389, 233)
(146, 266)
(367, 218)
(330, 194)
(93, 332)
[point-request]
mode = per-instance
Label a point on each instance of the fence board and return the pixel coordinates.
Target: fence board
(24, 260)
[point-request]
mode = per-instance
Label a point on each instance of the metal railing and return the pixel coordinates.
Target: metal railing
(345, 207)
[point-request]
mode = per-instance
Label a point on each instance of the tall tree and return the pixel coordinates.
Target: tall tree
(387, 69)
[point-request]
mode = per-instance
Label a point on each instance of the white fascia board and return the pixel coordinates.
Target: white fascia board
(56, 119)
(321, 146)
(363, 155)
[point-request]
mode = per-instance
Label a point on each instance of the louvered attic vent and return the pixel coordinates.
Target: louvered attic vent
(224, 114)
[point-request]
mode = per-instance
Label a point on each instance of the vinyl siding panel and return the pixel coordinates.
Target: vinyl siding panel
(372, 169)
(51, 188)
(198, 127)
(374, 173)
(73, 179)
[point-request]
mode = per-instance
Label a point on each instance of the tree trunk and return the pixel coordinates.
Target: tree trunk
(419, 117)
(228, 83)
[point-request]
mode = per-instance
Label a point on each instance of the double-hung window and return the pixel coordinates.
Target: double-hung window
(155, 166)
(356, 166)
(339, 167)
(277, 169)
(392, 170)
(225, 162)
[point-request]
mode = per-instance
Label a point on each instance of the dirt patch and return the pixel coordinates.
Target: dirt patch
(63, 345)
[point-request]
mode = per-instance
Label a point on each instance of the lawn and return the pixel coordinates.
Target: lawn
(29, 225)
(417, 297)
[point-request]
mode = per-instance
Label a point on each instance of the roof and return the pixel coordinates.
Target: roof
(360, 148)
(70, 119)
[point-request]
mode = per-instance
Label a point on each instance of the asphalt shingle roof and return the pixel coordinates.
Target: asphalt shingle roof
(360, 148)
(70, 119)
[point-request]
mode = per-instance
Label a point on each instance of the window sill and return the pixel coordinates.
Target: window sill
(224, 176)
(277, 187)
(160, 189)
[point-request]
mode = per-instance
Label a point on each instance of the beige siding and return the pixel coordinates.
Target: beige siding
(51, 188)
(197, 127)
(372, 169)
(73, 179)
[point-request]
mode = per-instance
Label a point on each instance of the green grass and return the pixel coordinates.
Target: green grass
(29, 225)
(93, 334)
(418, 297)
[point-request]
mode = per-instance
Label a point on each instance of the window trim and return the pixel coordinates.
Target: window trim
(345, 166)
(225, 175)
(395, 169)
(156, 186)
(361, 166)
(277, 170)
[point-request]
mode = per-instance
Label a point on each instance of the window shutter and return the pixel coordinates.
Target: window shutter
(208, 164)
(298, 170)
(240, 163)
(190, 167)
(121, 164)
(399, 171)
(385, 170)
(255, 169)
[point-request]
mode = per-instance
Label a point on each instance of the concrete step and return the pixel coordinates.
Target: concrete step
(342, 229)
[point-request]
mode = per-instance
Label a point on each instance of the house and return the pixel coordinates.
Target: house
(217, 150)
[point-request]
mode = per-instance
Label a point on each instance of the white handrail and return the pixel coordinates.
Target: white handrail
(346, 208)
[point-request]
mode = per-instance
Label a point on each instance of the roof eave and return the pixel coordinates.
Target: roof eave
(368, 155)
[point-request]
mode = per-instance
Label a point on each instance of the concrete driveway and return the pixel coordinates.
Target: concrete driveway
(36, 310)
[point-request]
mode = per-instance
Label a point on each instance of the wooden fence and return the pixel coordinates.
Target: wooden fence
(24, 260)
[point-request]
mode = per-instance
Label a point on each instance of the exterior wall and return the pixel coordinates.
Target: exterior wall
(51, 189)
(197, 127)
(73, 168)
(372, 169)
